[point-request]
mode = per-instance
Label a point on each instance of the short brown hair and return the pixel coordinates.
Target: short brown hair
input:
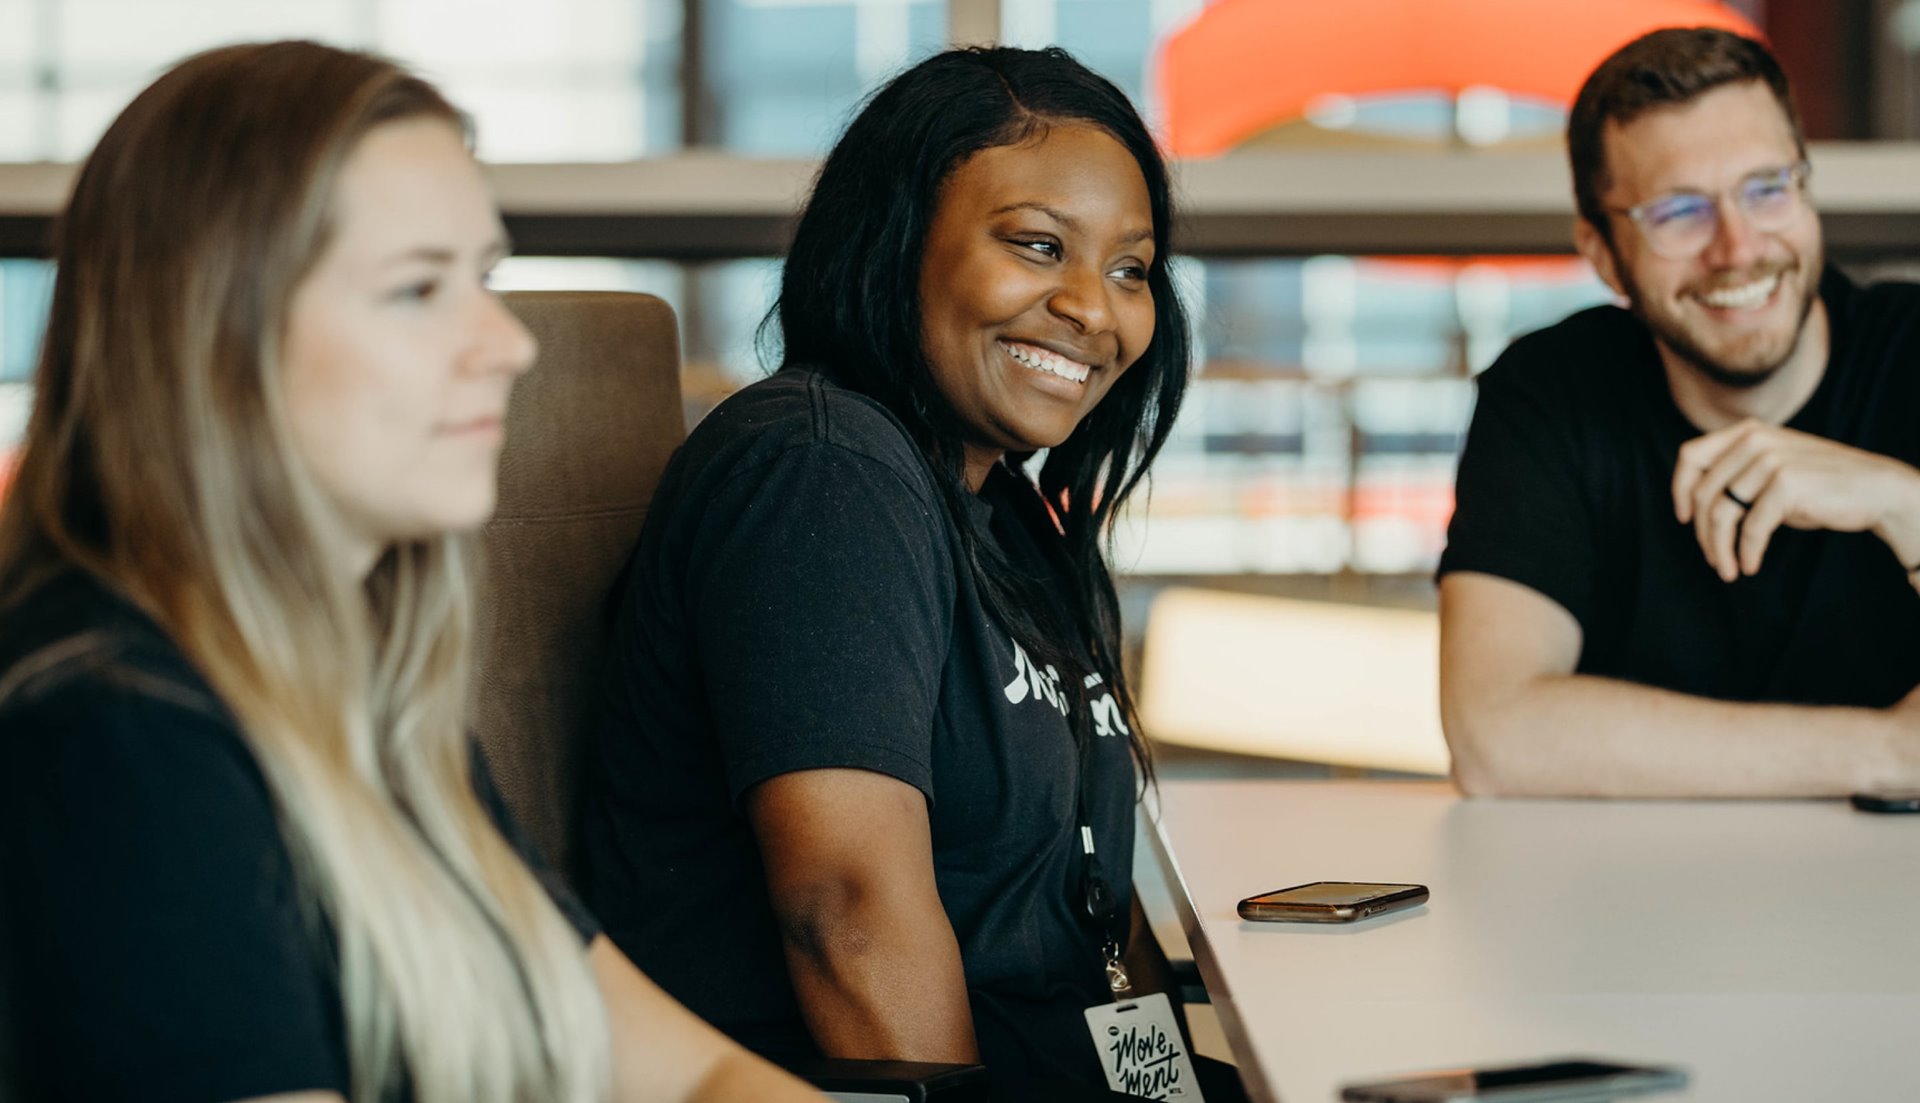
(1659, 69)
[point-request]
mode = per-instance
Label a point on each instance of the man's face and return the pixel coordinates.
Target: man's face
(1736, 311)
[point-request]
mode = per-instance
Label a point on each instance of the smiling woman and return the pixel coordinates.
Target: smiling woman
(869, 759)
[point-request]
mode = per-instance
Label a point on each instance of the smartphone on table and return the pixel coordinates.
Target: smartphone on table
(1890, 801)
(1331, 902)
(1575, 1080)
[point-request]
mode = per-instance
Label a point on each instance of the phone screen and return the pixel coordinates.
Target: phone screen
(1329, 893)
(1563, 1080)
(1555, 1073)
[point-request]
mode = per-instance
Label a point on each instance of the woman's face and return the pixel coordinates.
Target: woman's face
(397, 359)
(1033, 287)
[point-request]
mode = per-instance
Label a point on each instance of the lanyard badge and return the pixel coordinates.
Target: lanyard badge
(1137, 1041)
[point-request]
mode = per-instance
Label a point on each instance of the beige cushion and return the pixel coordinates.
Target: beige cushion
(1309, 681)
(588, 434)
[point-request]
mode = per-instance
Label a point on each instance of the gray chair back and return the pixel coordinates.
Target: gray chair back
(588, 434)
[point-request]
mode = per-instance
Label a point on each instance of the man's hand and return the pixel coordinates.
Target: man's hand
(1736, 486)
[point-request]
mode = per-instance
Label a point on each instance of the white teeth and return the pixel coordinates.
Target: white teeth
(1052, 363)
(1743, 297)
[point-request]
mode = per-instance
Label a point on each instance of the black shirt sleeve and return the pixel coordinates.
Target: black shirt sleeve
(820, 604)
(154, 943)
(564, 898)
(1520, 510)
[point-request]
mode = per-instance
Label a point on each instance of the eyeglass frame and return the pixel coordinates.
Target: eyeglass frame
(1797, 175)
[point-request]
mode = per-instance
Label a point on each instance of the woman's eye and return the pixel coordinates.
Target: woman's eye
(1046, 247)
(416, 292)
(1131, 272)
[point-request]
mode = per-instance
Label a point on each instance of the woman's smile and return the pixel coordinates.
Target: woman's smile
(1047, 361)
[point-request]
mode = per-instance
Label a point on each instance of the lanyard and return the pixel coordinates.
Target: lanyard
(1096, 893)
(1102, 907)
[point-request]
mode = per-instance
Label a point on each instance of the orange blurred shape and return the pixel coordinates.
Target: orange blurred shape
(1532, 269)
(1430, 502)
(1242, 67)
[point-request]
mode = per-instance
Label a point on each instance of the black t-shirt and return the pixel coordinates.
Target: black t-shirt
(153, 941)
(798, 600)
(1563, 487)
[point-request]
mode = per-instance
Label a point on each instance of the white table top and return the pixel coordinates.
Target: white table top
(1770, 948)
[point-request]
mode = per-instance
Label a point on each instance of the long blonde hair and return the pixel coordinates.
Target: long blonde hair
(157, 458)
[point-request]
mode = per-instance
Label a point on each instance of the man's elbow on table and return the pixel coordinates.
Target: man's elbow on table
(1501, 643)
(1481, 745)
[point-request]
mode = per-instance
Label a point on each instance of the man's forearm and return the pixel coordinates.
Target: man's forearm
(881, 983)
(1580, 736)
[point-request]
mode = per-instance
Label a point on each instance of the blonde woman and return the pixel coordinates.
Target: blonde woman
(245, 845)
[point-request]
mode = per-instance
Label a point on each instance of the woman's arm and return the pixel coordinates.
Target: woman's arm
(662, 1052)
(849, 861)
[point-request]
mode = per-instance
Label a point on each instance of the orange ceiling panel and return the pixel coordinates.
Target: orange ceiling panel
(1244, 66)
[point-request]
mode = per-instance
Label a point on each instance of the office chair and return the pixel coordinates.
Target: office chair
(588, 435)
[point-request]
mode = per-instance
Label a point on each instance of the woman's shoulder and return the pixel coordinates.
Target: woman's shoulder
(107, 731)
(91, 686)
(802, 411)
(70, 634)
(135, 816)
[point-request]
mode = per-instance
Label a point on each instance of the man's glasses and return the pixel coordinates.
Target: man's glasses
(1681, 224)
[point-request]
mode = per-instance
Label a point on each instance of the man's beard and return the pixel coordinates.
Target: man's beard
(1675, 338)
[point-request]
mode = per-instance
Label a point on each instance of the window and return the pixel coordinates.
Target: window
(782, 77)
(561, 80)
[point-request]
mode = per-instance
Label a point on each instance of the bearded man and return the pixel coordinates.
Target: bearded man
(1686, 548)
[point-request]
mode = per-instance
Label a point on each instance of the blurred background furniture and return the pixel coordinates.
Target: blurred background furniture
(1310, 681)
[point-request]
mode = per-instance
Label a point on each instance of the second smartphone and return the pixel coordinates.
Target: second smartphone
(1331, 902)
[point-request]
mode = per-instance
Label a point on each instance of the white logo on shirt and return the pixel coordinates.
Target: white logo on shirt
(1107, 719)
(1030, 681)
